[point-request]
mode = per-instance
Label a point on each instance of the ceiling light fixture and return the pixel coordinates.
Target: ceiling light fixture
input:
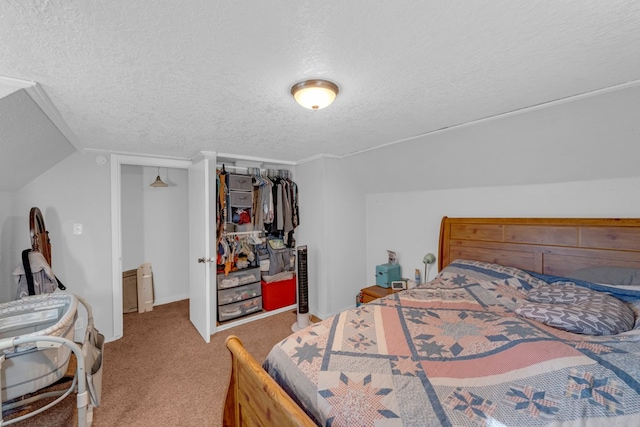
(315, 94)
(158, 182)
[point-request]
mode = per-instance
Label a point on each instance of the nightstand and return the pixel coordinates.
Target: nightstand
(375, 292)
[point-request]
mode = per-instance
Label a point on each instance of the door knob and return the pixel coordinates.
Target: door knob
(203, 260)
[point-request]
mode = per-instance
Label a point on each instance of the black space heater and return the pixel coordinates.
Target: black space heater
(303, 290)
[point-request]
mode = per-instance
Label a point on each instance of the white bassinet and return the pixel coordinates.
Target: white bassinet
(36, 342)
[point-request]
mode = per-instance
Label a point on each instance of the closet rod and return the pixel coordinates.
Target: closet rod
(226, 166)
(283, 173)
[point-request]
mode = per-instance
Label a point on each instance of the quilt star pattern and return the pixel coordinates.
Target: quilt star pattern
(452, 352)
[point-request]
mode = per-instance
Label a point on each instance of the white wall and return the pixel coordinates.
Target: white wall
(311, 191)
(77, 191)
(166, 233)
(7, 282)
(346, 225)
(31, 142)
(574, 158)
(74, 191)
(414, 231)
(132, 216)
(584, 138)
(155, 228)
(332, 204)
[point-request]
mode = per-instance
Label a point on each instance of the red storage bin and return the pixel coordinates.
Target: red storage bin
(278, 294)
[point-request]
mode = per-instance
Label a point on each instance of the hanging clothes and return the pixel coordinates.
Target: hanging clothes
(279, 206)
(287, 225)
(221, 205)
(274, 206)
(295, 216)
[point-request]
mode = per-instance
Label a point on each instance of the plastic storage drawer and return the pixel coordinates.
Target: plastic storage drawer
(239, 309)
(239, 293)
(239, 278)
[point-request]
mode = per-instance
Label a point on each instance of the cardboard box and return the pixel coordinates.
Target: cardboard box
(130, 291)
(145, 288)
(278, 294)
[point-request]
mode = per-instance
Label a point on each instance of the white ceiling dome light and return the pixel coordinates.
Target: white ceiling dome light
(315, 94)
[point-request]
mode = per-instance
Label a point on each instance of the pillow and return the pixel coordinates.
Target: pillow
(576, 309)
(589, 318)
(564, 294)
(621, 276)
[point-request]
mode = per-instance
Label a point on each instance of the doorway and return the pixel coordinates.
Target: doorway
(155, 228)
(151, 224)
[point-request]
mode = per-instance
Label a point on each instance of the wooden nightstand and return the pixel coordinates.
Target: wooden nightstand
(375, 292)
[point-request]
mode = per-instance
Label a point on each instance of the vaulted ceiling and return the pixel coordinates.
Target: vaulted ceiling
(173, 78)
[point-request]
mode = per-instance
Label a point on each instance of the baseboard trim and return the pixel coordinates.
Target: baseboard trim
(169, 300)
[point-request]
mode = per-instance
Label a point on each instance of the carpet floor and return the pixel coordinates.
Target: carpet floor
(161, 373)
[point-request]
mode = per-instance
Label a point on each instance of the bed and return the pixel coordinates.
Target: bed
(501, 337)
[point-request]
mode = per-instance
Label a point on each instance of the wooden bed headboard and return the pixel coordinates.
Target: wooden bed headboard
(544, 245)
(555, 246)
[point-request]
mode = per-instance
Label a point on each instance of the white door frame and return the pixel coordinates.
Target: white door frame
(117, 160)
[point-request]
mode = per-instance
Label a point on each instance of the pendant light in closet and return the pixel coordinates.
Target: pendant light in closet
(158, 182)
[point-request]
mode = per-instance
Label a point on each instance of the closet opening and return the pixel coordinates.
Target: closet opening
(256, 215)
(155, 230)
(149, 225)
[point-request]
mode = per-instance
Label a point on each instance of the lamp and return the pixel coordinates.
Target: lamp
(314, 94)
(428, 260)
(158, 182)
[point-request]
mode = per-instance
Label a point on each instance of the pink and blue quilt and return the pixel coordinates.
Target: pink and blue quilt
(453, 352)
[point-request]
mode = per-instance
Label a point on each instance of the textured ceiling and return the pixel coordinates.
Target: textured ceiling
(174, 78)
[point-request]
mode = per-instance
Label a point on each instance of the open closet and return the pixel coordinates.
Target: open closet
(256, 217)
(204, 239)
(198, 226)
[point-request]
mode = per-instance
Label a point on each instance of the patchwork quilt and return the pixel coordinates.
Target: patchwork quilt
(453, 352)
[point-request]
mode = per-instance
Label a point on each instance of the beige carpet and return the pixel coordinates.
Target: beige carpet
(161, 373)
